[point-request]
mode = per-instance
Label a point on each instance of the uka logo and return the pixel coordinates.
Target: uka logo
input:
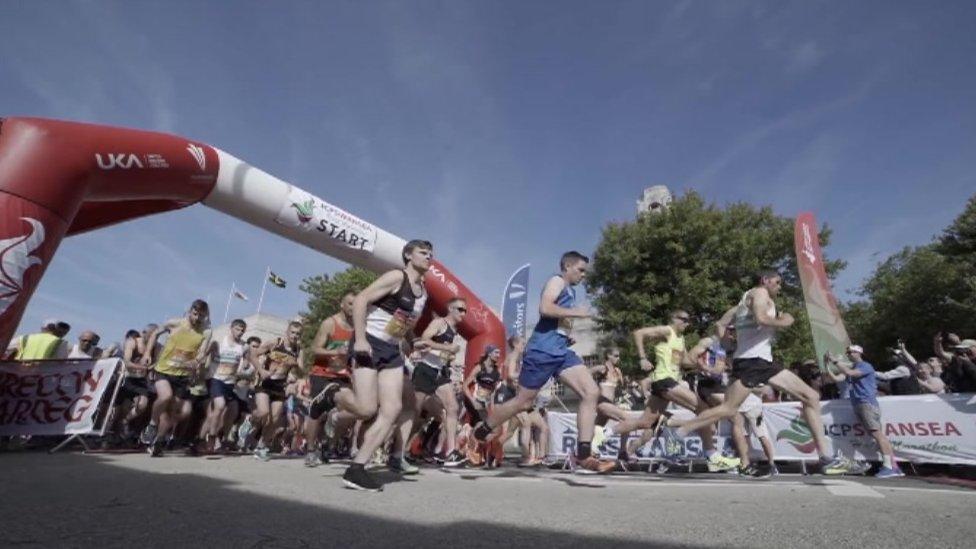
(110, 161)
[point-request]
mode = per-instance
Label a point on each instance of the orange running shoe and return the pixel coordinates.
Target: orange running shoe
(592, 466)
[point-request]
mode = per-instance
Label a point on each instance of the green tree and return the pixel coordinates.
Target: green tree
(920, 291)
(325, 292)
(910, 296)
(699, 257)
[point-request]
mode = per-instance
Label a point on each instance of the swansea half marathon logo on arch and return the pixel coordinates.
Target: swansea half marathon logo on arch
(799, 435)
(308, 213)
(15, 259)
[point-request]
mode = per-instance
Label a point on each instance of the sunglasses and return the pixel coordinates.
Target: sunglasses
(683, 318)
(461, 309)
(86, 340)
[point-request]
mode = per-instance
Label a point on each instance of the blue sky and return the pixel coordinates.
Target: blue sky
(506, 132)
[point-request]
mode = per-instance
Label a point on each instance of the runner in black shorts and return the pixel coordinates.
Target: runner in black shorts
(384, 314)
(432, 376)
(756, 322)
(331, 367)
(285, 356)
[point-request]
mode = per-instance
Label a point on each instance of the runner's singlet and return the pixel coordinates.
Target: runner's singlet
(753, 340)
(667, 357)
(551, 335)
(282, 357)
(183, 345)
(229, 357)
(391, 318)
(440, 359)
(336, 365)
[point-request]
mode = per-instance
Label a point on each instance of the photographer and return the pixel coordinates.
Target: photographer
(959, 374)
(927, 374)
(902, 379)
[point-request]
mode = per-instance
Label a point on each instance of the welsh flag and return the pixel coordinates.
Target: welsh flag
(276, 280)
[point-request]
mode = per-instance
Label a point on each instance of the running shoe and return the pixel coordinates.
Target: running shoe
(149, 434)
(719, 463)
(754, 471)
(859, 467)
(591, 466)
(402, 466)
(262, 453)
(357, 478)
(838, 465)
(155, 449)
(454, 459)
(889, 472)
(773, 470)
(312, 459)
(242, 433)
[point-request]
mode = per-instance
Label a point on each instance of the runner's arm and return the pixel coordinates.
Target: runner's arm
(167, 326)
(468, 381)
(128, 348)
(722, 324)
(760, 308)
(427, 338)
(689, 360)
(656, 333)
(548, 307)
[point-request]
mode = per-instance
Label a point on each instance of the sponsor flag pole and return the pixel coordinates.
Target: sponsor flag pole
(229, 297)
(267, 273)
(826, 325)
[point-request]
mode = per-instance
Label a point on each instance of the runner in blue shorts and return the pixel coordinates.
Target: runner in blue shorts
(547, 355)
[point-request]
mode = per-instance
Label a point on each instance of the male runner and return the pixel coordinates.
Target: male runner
(331, 350)
(179, 362)
(756, 323)
(229, 353)
(548, 355)
(667, 387)
(432, 375)
(384, 315)
(285, 356)
(135, 389)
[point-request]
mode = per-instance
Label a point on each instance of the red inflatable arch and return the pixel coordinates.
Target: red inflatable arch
(60, 178)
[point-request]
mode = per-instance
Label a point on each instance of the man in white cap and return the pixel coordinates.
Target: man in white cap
(864, 399)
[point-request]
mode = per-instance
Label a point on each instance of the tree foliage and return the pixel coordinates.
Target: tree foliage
(920, 291)
(699, 257)
(325, 292)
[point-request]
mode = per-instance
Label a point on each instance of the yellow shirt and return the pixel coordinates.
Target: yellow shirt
(667, 357)
(183, 345)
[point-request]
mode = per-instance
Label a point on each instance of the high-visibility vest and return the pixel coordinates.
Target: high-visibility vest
(37, 346)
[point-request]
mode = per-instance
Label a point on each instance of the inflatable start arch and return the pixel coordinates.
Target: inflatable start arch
(60, 178)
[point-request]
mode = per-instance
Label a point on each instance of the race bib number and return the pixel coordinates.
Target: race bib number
(400, 324)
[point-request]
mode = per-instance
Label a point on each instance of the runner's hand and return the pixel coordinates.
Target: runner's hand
(145, 360)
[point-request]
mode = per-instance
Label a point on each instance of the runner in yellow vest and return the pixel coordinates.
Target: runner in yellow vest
(670, 357)
(179, 363)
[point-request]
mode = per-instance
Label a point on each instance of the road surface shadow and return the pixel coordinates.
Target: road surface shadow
(86, 501)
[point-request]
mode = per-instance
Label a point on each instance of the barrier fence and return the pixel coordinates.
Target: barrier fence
(922, 429)
(58, 397)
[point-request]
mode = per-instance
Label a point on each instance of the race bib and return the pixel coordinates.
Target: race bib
(400, 324)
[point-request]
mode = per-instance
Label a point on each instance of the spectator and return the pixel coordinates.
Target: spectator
(86, 346)
(49, 343)
(864, 400)
(959, 374)
(902, 379)
(927, 374)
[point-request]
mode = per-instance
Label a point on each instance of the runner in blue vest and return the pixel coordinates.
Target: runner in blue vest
(547, 355)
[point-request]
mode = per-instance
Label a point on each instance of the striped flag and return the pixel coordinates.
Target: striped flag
(276, 280)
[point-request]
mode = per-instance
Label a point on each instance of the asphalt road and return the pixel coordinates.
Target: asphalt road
(131, 500)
